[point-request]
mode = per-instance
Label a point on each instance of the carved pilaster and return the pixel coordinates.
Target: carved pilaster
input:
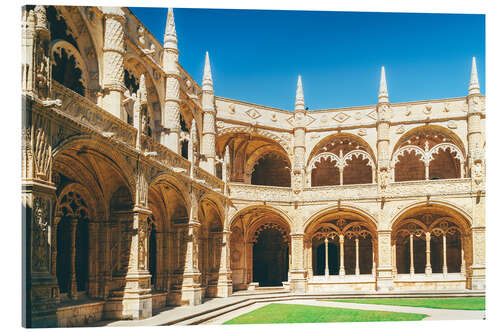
(137, 302)
(40, 289)
(478, 268)
(298, 268)
(384, 269)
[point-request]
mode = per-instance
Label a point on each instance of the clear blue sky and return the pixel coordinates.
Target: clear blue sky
(256, 55)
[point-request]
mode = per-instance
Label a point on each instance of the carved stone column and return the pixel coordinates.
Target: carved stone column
(105, 258)
(308, 250)
(357, 256)
(224, 283)
(113, 58)
(327, 268)
(298, 282)
(72, 254)
(428, 267)
(341, 267)
(137, 301)
(412, 265)
(445, 264)
(385, 280)
(93, 286)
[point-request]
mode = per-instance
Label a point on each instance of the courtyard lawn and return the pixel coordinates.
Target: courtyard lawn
(455, 303)
(295, 313)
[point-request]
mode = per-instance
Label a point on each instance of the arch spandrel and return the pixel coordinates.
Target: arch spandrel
(356, 213)
(453, 138)
(277, 213)
(103, 149)
(446, 208)
(257, 132)
(317, 149)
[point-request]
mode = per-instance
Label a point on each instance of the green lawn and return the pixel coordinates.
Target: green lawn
(295, 313)
(455, 303)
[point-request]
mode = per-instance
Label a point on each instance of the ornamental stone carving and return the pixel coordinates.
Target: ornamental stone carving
(40, 230)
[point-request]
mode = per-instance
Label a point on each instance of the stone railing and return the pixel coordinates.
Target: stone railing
(429, 187)
(259, 193)
(83, 111)
(342, 192)
(208, 179)
(164, 155)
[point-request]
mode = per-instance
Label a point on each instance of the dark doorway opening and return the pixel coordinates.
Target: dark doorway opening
(270, 259)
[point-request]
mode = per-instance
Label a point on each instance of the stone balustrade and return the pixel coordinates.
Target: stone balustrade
(85, 112)
(208, 179)
(352, 192)
(165, 156)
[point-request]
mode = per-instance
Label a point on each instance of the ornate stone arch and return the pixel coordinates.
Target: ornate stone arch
(75, 197)
(327, 156)
(78, 27)
(104, 149)
(57, 46)
(231, 220)
(357, 212)
(261, 152)
(217, 204)
(260, 132)
(451, 137)
(452, 210)
(330, 138)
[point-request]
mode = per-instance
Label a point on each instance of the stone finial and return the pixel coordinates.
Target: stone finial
(170, 37)
(299, 96)
(474, 82)
(383, 95)
(207, 83)
(142, 93)
(41, 17)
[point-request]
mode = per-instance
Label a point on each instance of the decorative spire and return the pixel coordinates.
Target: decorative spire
(207, 83)
(474, 82)
(299, 96)
(383, 95)
(170, 37)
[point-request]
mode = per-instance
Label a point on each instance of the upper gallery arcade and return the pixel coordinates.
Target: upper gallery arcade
(142, 188)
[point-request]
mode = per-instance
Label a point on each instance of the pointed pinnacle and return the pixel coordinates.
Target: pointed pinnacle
(299, 95)
(383, 95)
(474, 82)
(207, 83)
(170, 37)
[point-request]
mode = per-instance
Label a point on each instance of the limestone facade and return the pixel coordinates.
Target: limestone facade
(141, 189)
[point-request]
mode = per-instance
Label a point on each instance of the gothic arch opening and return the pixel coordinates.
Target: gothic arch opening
(340, 243)
(260, 248)
(255, 159)
(272, 170)
(341, 159)
(431, 240)
(428, 153)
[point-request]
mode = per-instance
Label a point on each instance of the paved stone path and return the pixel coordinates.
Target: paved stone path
(433, 314)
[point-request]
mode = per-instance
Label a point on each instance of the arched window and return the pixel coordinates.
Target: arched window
(271, 170)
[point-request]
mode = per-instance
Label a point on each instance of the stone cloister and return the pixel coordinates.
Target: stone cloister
(142, 189)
